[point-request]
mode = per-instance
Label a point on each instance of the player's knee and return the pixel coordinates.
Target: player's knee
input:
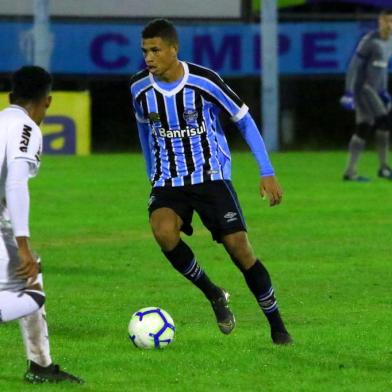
(363, 130)
(383, 123)
(37, 296)
(238, 247)
(166, 234)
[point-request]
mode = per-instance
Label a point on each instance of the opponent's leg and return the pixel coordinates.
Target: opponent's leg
(35, 334)
(19, 300)
(17, 304)
(16, 300)
(258, 281)
(166, 225)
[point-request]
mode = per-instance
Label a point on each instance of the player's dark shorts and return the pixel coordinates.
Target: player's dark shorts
(215, 202)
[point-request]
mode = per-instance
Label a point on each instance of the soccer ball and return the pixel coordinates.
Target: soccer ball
(151, 328)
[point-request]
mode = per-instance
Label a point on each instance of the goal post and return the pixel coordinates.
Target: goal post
(42, 37)
(270, 74)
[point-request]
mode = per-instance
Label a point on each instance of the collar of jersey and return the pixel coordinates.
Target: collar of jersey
(175, 90)
(13, 106)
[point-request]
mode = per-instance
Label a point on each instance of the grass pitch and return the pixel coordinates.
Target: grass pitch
(328, 249)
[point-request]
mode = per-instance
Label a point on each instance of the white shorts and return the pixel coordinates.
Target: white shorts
(9, 261)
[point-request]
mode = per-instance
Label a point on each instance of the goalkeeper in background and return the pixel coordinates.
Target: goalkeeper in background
(367, 94)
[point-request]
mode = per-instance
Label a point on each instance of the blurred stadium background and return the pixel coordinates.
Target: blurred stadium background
(92, 47)
(327, 246)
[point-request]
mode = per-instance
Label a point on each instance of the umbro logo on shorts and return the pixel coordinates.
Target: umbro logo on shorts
(230, 216)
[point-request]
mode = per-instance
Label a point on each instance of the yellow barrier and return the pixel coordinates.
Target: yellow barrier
(66, 128)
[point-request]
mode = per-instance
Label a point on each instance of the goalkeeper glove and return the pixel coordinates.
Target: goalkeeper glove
(347, 101)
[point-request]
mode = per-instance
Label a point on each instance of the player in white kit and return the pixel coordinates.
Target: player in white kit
(21, 291)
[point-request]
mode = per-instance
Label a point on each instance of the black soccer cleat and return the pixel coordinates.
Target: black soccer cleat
(37, 374)
(281, 338)
(355, 178)
(224, 316)
(385, 172)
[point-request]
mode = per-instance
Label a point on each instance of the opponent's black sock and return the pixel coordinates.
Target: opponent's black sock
(184, 261)
(259, 282)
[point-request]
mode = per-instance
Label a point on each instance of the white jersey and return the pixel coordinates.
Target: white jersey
(20, 138)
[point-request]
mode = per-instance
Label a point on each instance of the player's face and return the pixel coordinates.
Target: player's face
(385, 25)
(160, 55)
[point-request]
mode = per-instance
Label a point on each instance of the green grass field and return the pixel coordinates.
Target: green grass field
(328, 249)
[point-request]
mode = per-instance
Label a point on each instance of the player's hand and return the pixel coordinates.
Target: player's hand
(29, 267)
(270, 189)
(347, 101)
(385, 97)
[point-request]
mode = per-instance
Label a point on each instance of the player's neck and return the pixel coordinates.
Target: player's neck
(176, 72)
(31, 111)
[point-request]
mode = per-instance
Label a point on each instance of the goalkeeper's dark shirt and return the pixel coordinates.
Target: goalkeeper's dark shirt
(369, 64)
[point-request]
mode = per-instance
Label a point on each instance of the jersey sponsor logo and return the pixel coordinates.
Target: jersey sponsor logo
(180, 133)
(190, 115)
(380, 64)
(26, 134)
(230, 216)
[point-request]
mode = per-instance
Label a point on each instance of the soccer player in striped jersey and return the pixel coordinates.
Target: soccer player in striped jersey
(367, 94)
(21, 291)
(177, 106)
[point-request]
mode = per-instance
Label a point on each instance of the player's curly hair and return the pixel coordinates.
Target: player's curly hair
(30, 83)
(162, 28)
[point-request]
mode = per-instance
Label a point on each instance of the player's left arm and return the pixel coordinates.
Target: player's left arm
(269, 185)
(229, 101)
(384, 91)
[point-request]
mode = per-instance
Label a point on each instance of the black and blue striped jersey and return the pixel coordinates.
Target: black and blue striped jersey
(182, 139)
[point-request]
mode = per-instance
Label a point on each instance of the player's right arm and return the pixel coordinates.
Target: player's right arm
(144, 133)
(228, 101)
(144, 137)
(23, 150)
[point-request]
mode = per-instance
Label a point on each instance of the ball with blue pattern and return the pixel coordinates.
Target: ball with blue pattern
(151, 327)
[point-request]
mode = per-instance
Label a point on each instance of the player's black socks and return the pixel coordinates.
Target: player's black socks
(184, 261)
(259, 282)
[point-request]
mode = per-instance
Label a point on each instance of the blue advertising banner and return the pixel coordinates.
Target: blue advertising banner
(230, 49)
(374, 3)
